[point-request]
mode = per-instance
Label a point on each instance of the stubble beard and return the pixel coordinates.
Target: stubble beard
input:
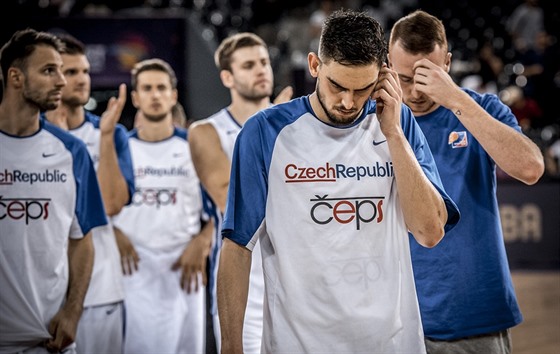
(331, 117)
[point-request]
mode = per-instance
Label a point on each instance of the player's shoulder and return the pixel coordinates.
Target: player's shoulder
(206, 127)
(69, 140)
(282, 114)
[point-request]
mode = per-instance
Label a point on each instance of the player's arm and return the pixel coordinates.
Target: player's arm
(423, 207)
(64, 324)
(233, 288)
(512, 151)
(210, 161)
(114, 188)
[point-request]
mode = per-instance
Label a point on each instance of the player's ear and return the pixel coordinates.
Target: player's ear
(227, 78)
(15, 76)
(134, 98)
(448, 61)
(313, 62)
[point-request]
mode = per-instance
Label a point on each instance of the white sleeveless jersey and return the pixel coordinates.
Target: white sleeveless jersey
(228, 129)
(336, 258)
(48, 193)
(166, 207)
(106, 279)
(164, 215)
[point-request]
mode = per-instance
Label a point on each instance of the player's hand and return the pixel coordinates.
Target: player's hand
(62, 327)
(129, 257)
(433, 81)
(285, 95)
(388, 95)
(193, 262)
(112, 114)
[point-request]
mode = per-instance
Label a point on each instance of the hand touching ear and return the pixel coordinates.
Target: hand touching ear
(388, 95)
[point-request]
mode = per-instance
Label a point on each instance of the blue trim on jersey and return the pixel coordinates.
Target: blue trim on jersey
(90, 211)
(177, 132)
(211, 209)
(228, 113)
(464, 284)
(122, 150)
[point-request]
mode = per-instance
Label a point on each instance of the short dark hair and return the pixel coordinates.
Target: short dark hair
(153, 64)
(222, 56)
(23, 43)
(352, 38)
(72, 45)
(419, 33)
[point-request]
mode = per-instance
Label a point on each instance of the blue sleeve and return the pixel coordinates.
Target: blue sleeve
(124, 159)
(421, 149)
(496, 108)
(89, 204)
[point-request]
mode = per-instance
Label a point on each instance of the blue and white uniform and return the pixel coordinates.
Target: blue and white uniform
(105, 293)
(48, 194)
(164, 215)
(227, 129)
(323, 202)
(464, 284)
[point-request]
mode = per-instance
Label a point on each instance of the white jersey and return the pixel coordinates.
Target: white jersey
(323, 202)
(165, 210)
(227, 129)
(105, 286)
(48, 194)
(164, 215)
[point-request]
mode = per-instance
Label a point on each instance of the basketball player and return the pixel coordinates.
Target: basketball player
(107, 144)
(163, 248)
(330, 184)
(49, 203)
(245, 69)
(465, 291)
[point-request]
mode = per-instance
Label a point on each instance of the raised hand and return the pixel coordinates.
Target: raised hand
(112, 114)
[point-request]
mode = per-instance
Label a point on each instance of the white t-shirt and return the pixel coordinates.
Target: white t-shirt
(323, 202)
(48, 194)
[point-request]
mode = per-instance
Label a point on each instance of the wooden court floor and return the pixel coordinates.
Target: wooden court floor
(538, 294)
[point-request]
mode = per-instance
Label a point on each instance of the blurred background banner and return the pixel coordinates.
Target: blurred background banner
(115, 43)
(530, 221)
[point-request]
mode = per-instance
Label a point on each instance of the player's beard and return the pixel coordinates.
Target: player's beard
(253, 93)
(333, 119)
(43, 103)
(155, 118)
(75, 101)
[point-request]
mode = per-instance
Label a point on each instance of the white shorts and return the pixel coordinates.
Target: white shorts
(160, 316)
(101, 329)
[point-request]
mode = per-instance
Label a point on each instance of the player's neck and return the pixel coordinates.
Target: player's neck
(242, 110)
(156, 131)
(18, 120)
(76, 117)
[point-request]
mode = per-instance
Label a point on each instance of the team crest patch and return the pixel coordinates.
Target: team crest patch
(458, 139)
